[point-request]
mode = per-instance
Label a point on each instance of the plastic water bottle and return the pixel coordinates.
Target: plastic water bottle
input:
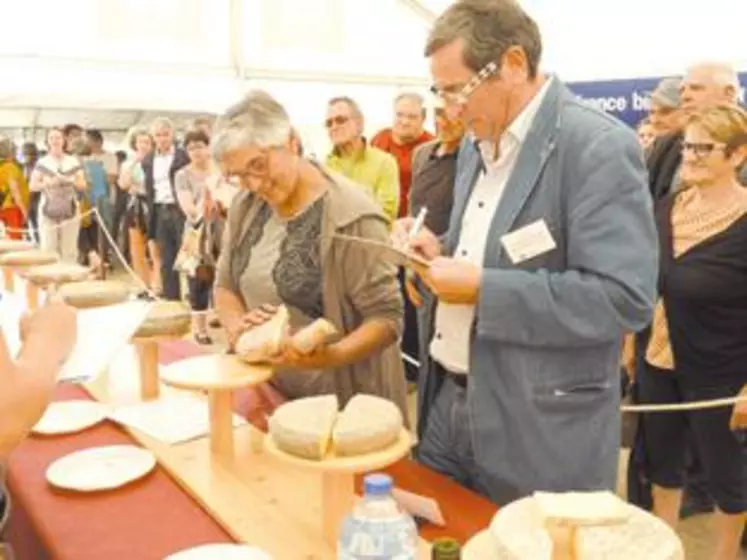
(378, 529)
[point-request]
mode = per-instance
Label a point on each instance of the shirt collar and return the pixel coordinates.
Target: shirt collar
(516, 133)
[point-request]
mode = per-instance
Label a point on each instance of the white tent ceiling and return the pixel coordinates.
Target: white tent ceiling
(114, 63)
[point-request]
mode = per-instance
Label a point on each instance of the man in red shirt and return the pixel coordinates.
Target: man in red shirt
(402, 139)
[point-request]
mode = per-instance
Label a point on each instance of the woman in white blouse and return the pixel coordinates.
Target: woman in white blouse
(60, 179)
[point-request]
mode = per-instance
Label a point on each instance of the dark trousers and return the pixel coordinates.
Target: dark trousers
(169, 232)
(119, 226)
(410, 338)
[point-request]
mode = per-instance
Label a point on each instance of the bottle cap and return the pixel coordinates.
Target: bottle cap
(377, 484)
(446, 549)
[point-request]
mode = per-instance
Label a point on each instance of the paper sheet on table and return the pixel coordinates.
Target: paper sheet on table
(420, 506)
(102, 332)
(386, 252)
(171, 419)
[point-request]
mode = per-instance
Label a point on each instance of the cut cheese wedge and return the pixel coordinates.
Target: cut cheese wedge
(366, 425)
(303, 427)
(313, 336)
(259, 343)
(313, 428)
(582, 509)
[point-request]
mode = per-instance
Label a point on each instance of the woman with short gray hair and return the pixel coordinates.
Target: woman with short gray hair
(281, 248)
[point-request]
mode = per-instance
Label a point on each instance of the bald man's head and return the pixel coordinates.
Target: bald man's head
(707, 84)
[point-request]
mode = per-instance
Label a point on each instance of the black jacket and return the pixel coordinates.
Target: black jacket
(663, 161)
(180, 160)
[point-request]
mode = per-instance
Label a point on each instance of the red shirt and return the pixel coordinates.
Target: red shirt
(403, 154)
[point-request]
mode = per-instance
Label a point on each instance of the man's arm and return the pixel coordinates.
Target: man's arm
(610, 284)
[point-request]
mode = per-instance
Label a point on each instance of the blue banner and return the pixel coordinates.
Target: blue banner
(628, 100)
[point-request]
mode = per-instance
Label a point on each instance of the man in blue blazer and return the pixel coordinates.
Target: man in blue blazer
(551, 256)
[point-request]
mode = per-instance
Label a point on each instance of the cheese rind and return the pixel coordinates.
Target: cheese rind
(259, 343)
(313, 336)
(304, 427)
(367, 424)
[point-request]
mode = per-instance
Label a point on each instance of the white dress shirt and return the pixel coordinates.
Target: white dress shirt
(161, 180)
(453, 327)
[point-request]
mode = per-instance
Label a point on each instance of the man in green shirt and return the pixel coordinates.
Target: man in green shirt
(353, 157)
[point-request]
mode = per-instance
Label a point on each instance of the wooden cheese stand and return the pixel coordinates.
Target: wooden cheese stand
(286, 506)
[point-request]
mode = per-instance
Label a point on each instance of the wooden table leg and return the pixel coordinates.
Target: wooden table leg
(338, 499)
(8, 279)
(32, 295)
(149, 383)
(220, 403)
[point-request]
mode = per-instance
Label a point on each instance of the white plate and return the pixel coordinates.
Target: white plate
(222, 552)
(101, 468)
(69, 417)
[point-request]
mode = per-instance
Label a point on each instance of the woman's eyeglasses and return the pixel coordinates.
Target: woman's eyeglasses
(700, 149)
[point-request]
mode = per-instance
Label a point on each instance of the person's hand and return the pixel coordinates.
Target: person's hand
(254, 318)
(323, 357)
(425, 244)
(739, 413)
(54, 326)
(453, 280)
(413, 294)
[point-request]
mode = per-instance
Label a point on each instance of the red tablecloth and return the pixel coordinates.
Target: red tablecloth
(155, 517)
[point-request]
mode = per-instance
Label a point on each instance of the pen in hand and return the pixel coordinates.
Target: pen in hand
(416, 227)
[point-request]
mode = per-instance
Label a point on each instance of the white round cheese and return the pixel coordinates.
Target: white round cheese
(304, 427)
(519, 531)
(367, 424)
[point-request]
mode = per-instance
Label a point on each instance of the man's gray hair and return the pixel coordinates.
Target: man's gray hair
(488, 29)
(258, 120)
(415, 98)
(160, 123)
(723, 74)
(350, 102)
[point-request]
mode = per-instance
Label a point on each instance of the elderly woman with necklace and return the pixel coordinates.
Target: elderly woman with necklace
(280, 248)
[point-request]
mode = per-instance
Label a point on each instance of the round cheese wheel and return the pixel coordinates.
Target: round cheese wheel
(167, 318)
(30, 257)
(519, 530)
(94, 293)
(56, 273)
(14, 245)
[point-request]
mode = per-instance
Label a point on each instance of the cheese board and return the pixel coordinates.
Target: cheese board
(218, 375)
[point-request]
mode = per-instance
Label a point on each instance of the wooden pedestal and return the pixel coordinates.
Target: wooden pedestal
(218, 376)
(32, 295)
(337, 478)
(9, 278)
(147, 351)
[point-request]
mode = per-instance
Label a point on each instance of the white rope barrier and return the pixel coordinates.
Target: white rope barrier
(685, 406)
(636, 408)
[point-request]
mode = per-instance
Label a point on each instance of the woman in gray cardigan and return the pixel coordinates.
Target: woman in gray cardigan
(280, 249)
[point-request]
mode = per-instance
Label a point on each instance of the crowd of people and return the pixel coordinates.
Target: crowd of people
(560, 246)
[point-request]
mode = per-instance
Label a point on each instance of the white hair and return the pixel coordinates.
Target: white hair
(722, 74)
(258, 119)
(161, 123)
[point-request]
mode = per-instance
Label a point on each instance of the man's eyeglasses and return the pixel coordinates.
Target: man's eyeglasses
(461, 95)
(700, 149)
(338, 120)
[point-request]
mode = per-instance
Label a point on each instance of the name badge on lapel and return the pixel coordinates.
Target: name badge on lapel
(528, 242)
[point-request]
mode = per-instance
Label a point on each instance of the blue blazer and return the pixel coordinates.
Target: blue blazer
(543, 390)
